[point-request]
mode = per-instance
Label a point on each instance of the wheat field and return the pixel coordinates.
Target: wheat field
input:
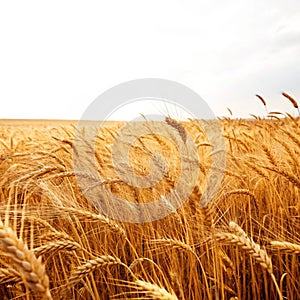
(243, 244)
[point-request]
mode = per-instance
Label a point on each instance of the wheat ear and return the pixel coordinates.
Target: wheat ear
(292, 100)
(9, 275)
(87, 215)
(57, 246)
(260, 255)
(28, 264)
(263, 101)
(175, 124)
(286, 246)
(91, 265)
(153, 291)
(241, 239)
(208, 216)
(174, 244)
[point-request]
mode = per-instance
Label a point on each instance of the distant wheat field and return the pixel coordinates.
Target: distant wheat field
(244, 244)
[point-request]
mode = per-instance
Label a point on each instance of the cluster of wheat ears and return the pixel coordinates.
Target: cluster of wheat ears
(245, 244)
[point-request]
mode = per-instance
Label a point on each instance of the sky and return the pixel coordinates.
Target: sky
(56, 57)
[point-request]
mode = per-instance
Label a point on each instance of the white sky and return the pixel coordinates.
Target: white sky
(58, 56)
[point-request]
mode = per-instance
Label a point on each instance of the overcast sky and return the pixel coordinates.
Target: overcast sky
(56, 57)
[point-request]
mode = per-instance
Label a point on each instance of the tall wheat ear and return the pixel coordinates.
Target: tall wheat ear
(30, 267)
(241, 239)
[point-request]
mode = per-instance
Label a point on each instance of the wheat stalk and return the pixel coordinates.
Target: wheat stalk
(27, 263)
(257, 170)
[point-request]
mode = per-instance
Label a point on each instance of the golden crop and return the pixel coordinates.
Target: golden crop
(245, 244)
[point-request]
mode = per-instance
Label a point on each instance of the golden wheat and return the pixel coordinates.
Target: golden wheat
(153, 291)
(249, 246)
(190, 254)
(91, 265)
(53, 247)
(9, 275)
(286, 246)
(28, 265)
